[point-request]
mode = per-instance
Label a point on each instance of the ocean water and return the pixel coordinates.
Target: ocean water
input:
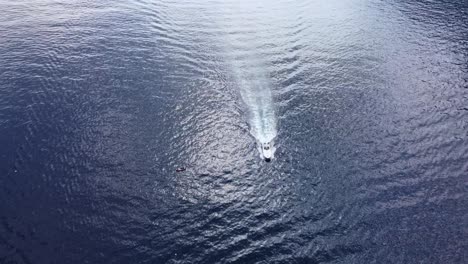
(103, 104)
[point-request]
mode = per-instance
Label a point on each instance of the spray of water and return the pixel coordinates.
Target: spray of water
(243, 44)
(256, 93)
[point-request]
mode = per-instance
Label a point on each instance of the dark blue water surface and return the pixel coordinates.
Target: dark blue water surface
(101, 102)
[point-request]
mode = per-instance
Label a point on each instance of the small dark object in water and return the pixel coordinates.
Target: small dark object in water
(181, 169)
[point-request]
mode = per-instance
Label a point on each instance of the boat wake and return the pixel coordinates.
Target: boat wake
(255, 90)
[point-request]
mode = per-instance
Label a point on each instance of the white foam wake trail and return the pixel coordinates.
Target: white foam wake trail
(255, 90)
(244, 43)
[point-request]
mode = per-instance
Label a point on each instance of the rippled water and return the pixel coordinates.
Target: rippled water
(101, 102)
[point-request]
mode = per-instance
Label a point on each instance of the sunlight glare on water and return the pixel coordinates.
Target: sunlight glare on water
(131, 130)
